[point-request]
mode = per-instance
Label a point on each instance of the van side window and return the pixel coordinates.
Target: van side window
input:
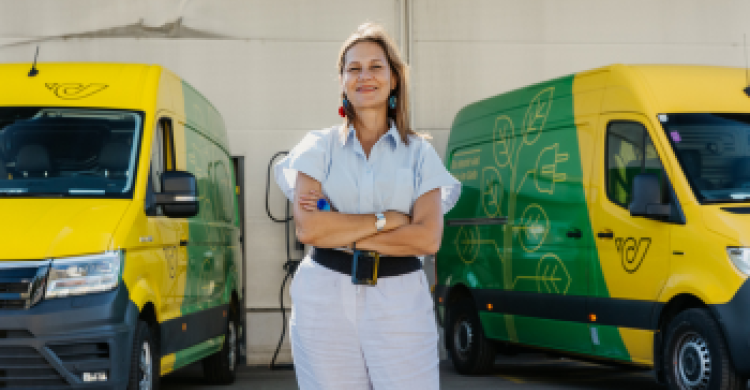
(630, 152)
(162, 159)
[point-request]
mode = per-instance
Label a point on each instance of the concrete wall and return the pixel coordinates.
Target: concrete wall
(269, 67)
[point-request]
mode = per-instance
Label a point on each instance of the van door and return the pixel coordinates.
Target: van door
(551, 240)
(170, 233)
(633, 252)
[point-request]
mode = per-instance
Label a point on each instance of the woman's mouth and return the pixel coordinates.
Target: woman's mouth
(366, 89)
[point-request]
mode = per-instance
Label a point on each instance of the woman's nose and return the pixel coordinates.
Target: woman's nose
(365, 74)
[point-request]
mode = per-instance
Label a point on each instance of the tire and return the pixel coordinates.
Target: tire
(221, 367)
(145, 364)
(471, 352)
(694, 341)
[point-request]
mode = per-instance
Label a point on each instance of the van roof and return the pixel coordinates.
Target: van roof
(101, 85)
(686, 88)
(635, 88)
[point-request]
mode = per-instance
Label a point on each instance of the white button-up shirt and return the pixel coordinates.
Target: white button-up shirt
(392, 178)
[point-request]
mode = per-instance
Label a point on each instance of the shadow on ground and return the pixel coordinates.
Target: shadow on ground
(528, 372)
(542, 372)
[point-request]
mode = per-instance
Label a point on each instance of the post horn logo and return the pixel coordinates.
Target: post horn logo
(74, 91)
(632, 252)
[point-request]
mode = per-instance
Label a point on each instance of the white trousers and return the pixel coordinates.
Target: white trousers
(346, 337)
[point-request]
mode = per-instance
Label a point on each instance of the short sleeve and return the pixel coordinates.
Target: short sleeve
(431, 174)
(310, 156)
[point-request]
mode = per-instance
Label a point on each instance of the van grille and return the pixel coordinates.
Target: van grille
(20, 288)
(23, 367)
(12, 303)
(81, 352)
(16, 334)
(21, 284)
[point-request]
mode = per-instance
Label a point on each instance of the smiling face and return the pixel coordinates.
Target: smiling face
(367, 79)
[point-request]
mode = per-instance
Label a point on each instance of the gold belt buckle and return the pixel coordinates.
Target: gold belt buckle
(372, 280)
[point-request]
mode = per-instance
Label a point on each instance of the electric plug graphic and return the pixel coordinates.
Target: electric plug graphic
(547, 173)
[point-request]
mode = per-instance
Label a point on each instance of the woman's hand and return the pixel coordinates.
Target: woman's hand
(309, 201)
(395, 219)
(421, 236)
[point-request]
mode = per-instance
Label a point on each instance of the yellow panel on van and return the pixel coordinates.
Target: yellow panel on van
(120, 241)
(604, 214)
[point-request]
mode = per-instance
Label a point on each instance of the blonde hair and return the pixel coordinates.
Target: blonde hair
(372, 32)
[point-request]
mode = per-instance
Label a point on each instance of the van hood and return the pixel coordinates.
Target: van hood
(730, 221)
(37, 229)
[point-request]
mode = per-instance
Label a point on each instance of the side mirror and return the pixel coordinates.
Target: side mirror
(179, 196)
(647, 198)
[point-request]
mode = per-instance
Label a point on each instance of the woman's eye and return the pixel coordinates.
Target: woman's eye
(354, 69)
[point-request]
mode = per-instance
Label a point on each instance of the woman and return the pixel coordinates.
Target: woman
(389, 190)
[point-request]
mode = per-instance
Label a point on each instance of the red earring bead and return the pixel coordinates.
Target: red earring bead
(342, 112)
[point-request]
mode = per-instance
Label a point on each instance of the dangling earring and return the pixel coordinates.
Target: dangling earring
(342, 109)
(392, 102)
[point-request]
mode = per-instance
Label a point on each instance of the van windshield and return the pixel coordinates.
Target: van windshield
(68, 152)
(714, 153)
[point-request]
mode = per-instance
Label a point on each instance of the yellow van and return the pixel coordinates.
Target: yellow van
(605, 215)
(119, 241)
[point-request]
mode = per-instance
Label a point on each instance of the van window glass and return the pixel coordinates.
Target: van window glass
(162, 159)
(713, 151)
(225, 189)
(157, 157)
(68, 152)
(630, 152)
(167, 142)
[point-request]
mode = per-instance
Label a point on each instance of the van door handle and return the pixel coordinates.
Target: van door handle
(575, 233)
(606, 234)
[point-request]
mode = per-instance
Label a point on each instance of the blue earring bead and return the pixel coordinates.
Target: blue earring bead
(392, 102)
(346, 103)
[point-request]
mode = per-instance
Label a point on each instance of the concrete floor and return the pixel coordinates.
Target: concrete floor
(522, 372)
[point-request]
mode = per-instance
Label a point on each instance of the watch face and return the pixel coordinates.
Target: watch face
(380, 224)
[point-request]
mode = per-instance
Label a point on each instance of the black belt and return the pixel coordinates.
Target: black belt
(341, 262)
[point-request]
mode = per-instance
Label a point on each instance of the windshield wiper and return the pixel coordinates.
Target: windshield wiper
(17, 194)
(711, 201)
(74, 191)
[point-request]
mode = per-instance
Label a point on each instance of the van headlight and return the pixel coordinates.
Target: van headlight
(84, 275)
(741, 258)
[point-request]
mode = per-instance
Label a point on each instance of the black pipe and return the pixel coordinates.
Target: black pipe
(290, 266)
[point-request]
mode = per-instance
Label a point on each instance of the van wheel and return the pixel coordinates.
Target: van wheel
(696, 355)
(471, 352)
(220, 368)
(144, 365)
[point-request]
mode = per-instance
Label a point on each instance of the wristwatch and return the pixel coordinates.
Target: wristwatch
(380, 224)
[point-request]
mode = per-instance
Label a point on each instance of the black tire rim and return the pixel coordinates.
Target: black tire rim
(463, 338)
(692, 362)
(145, 367)
(232, 353)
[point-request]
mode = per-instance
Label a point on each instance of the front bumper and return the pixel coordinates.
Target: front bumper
(734, 319)
(52, 344)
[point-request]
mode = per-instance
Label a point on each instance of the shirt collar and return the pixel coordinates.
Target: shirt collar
(393, 136)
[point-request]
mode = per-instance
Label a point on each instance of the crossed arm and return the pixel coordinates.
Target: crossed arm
(402, 236)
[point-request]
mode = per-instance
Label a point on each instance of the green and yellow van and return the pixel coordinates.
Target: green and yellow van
(604, 215)
(120, 235)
